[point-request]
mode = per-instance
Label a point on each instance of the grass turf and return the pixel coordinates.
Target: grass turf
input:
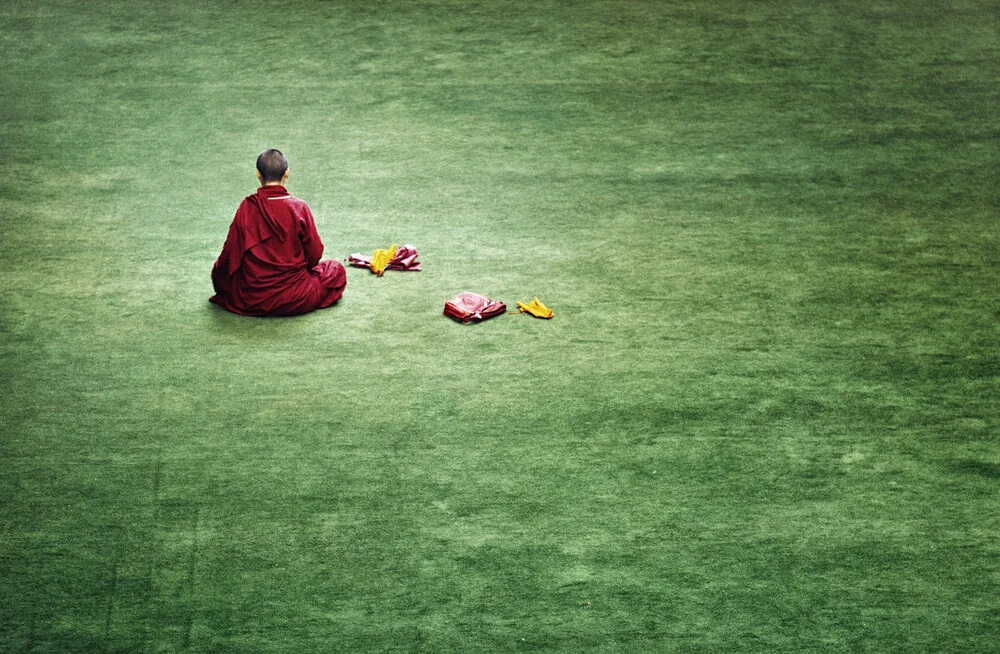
(764, 418)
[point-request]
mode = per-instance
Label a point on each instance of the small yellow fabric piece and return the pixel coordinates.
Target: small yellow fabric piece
(536, 308)
(381, 259)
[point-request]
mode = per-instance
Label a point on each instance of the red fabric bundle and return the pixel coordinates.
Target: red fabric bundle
(405, 259)
(472, 307)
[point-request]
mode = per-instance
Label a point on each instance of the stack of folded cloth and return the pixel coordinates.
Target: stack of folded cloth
(472, 307)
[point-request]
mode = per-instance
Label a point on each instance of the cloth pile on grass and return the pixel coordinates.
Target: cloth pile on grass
(535, 308)
(473, 307)
(465, 307)
(403, 258)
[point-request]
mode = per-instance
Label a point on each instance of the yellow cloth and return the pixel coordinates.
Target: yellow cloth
(536, 308)
(381, 259)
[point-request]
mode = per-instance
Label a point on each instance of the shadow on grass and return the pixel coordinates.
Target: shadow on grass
(234, 325)
(974, 467)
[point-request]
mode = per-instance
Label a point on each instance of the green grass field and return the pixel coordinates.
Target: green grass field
(764, 418)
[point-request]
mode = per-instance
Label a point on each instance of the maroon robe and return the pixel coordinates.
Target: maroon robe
(270, 263)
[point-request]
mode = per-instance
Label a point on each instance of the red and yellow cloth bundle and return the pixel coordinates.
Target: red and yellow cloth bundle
(473, 307)
(395, 258)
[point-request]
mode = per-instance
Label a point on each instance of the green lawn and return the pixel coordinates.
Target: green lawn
(765, 417)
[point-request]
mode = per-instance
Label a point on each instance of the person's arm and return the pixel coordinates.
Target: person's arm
(312, 244)
(221, 280)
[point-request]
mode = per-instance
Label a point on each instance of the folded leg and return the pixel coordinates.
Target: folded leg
(332, 279)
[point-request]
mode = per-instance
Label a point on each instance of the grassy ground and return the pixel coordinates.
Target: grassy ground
(764, 418)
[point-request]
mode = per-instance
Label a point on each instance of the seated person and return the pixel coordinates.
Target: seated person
(270, 264)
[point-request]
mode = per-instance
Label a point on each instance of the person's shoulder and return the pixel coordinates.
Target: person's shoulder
(296, 203)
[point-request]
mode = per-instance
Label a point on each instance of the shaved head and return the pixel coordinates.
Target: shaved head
(271, 165)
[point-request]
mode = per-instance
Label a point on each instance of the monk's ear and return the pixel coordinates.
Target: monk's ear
(284, 178)
(260, 178)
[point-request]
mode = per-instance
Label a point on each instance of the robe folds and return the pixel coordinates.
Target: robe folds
(270, 264)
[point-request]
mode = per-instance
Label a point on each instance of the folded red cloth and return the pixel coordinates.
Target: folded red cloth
(472, 307)
(405, 259)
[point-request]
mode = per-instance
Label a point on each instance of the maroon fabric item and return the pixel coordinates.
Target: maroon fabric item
(472, 307)
(405, 259)
(270, 264)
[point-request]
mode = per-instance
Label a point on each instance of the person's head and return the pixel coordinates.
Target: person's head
(272, 167)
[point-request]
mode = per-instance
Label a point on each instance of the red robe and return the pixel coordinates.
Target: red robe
(270, 263)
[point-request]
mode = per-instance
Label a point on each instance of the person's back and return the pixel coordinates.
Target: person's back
(270, 264)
